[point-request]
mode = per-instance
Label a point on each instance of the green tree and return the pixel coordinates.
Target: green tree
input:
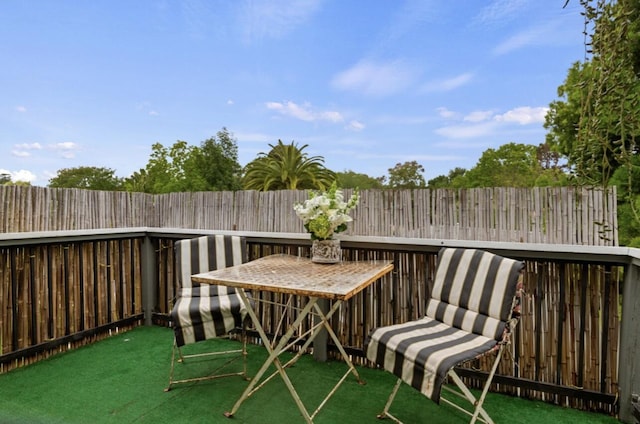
(87, 177)
(165, 171)
(598, 120)
(287, 167)
(217, 162)
(563, 116)
(213, 166)
(627, 180)
(351, 179)
(5, 179)
(407, 175)
(446, 181)
(511, 165)
(597, 123)
(553, 170)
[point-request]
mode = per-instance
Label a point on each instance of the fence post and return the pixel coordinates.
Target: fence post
(320, 342)
(149, 280)
(629, 373)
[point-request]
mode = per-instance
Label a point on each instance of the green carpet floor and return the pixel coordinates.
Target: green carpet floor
(121, 380)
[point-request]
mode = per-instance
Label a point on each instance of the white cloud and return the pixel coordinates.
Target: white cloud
(518, 41)
(29, 146)
(449, 83)
(482, 123)
(66, 149)
(377, 79)
(304, 112)
(147, 108)
(500, 11)
(23, 150)
(524, 115)
(330, 116)
(355, 126)
(21, 109)
(446, 113)
(274, 18)
(549, 33)
(21, 175)
(467, 131)
(66, 145)
(20, 153)
(478, 116)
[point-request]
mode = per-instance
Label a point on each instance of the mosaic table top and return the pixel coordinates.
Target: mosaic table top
(298, 275)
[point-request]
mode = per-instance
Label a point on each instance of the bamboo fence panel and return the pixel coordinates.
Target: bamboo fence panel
(28, 209)
(553, 345)
(51, 291)
(565, 215)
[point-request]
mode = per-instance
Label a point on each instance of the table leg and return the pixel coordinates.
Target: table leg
(320, 341)
(273, 357)
(331, 333)
(318, 327)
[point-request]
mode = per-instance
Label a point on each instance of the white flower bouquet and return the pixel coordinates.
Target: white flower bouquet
(326, 213)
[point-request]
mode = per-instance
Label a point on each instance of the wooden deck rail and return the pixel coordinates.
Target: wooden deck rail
(573, 347)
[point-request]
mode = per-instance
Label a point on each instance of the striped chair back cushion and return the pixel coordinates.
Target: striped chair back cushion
(474, 291)
(207, 253)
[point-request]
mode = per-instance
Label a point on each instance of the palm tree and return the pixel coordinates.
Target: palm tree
(287, 167)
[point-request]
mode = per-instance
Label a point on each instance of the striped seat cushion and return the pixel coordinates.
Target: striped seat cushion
(207, 253)
(197, 318)
(474, 291)
(203, 311)
(467, 316)
(421, 352)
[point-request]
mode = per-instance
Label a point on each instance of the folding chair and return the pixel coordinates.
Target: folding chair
(474, 306)
(203, 312)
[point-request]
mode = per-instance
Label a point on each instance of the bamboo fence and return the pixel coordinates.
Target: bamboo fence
(555, 215)
(567, 337)
(49, 292)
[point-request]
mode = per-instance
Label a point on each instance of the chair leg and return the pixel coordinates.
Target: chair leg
(241, 353)
(477, 403)
(173, 360)
(485, 390)
(385, 413)
(244, 337)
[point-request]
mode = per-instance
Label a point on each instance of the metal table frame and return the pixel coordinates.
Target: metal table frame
(297, 276)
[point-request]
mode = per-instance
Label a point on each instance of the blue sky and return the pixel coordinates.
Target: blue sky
(366, 84)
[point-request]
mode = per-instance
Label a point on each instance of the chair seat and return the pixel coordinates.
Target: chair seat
(197, 318)
(421, 352)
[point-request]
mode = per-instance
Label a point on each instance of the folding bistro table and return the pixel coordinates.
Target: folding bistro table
(300, 277)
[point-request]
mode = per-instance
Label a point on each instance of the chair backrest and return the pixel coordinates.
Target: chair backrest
(474, 291)
(207, 253)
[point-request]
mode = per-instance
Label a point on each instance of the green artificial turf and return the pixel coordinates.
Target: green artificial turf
(122, 380)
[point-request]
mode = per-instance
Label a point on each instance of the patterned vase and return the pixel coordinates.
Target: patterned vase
(326, 251)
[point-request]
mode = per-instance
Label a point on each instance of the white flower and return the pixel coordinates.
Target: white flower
(326, 213)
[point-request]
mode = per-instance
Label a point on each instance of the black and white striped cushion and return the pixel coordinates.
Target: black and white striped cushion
(204, 311)
(473, 290)
(471, 302)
